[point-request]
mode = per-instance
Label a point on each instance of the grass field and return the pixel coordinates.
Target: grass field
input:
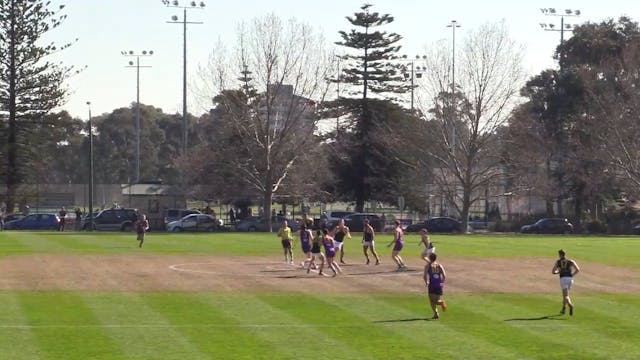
(59, 324)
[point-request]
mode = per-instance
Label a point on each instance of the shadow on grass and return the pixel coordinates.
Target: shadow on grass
(403, 320)
(547, 317)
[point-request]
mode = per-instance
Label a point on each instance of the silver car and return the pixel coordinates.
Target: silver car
(194, 222)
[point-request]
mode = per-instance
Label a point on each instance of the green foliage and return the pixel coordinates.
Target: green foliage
(30, 86)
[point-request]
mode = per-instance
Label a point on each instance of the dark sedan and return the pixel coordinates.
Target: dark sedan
(34, 222)
(436, 225)
(355, 222)
(548, 226)
(257, 223)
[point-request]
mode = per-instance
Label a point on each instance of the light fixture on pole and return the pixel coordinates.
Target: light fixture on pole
(184, 22)
(415, 72)
(137, 66)
(453, 25)
(90, 227)
(563, 27)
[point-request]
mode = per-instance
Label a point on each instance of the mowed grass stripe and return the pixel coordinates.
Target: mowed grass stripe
(40, 242)
(16, 342)
(42, 310)
(290, 336)
(430, 332)
(209, 327)
(529, 324)
(387, 326)
(150, 335)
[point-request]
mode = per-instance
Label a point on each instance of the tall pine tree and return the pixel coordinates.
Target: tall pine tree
(364, 165)
(30, 86)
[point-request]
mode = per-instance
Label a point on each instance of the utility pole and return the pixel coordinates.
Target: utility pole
(563, 27)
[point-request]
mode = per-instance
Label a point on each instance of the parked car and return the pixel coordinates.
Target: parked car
(355, 222)
(258, 223)
(548, 226)
(194, 222)
(440, 224)
(34, 222)
(11, 217)
(332, 216)
(113, 219)
(177, 214)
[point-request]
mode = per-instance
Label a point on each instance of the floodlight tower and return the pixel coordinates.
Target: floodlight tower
(414, 72)
(90, 227)
(184, 22)
(453, 25)
(137, 66)
(563, 27)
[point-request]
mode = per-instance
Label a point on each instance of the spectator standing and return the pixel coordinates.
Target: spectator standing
(62, 214)
(232, 216)
(78, 213)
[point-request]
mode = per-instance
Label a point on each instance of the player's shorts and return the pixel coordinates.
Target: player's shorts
(286, 244)
(337, 245)
(368, 243)
(566, 282)
(318, 254)
(398, 246)
(306, 247)
(434, 298)
(426, 252)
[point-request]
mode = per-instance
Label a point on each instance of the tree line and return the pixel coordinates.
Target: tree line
(292, 117)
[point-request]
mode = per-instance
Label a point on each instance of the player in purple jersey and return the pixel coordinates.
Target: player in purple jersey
(434, 277)
(398, 243)
(305, 243)
(567, 269)
(330, 252)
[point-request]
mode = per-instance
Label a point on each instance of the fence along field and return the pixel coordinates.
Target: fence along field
(79, 296)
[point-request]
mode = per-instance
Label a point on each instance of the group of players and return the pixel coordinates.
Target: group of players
(434, 274)
(332, 244)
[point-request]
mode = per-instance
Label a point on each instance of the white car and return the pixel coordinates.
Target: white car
(194, 222)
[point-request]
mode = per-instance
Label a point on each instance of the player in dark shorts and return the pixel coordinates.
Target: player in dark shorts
(398, 244)
(339, 233)
(567, 269)
(330, 252)
(305, 244)
(368, 242)
(284, 233)
(434, 277)
(316, 252)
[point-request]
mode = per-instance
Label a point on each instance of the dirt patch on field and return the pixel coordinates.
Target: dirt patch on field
(216, 273)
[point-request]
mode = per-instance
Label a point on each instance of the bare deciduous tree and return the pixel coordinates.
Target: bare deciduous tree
(470, 111)
(268, 124)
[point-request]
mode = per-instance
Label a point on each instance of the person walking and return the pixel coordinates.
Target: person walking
(284, 233)
(339, 234)
(316, 253)
(62, 214)
(428, 245)
(142, 226)
(567, 269)
(368, 242)
(398, 244)
(434, 277)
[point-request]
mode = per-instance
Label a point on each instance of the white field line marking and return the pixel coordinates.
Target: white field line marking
(185, 268)
(167, 326)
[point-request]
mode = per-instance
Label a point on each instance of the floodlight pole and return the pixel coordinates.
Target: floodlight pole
(568, 27)
(453, 25)
(412, 74)
(184, 22)
(137, 66)
(90, 228)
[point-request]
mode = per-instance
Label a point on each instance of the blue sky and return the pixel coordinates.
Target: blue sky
(104, 28)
